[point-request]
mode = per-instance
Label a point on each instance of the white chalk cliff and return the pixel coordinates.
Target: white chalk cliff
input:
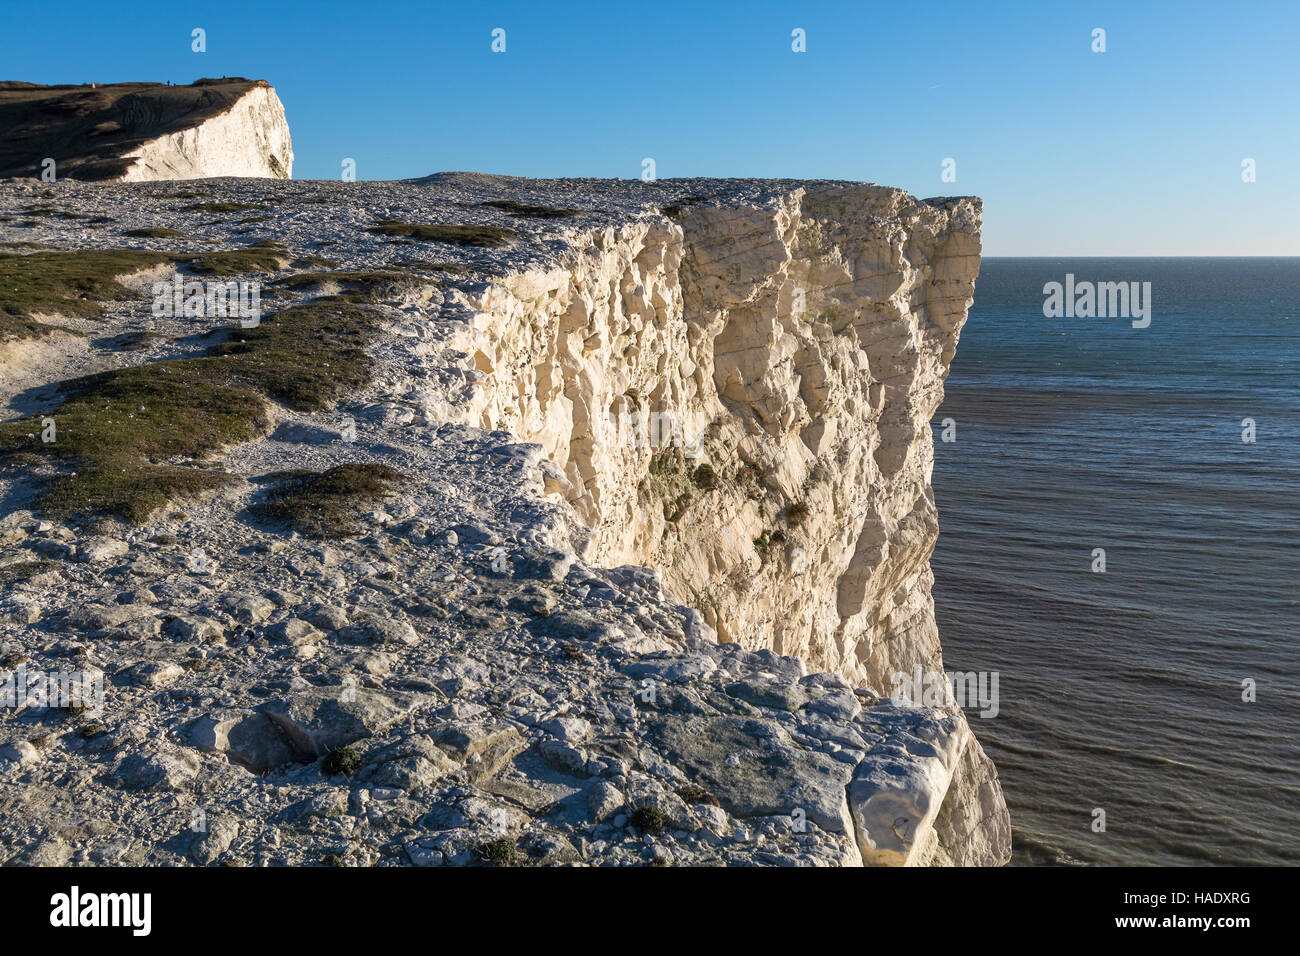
(250, 139)
(561, 624)
(803, 342)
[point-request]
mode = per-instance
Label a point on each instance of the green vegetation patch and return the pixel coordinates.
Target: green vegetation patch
(356, 285)
(155, 233)
(117, 424)
(133, 437)
(239, 261)
(222, 207)
(460, 235)
(671, 481)
(331, 503)
(343, 760)
(23, 570)
(693, 794)
(500, 852)
(525, 211)
(648, 819)
(265, 255)
(767, 541)
(63, 283)
(704, 477)
(307, 356)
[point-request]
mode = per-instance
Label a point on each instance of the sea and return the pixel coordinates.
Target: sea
(1119, 513)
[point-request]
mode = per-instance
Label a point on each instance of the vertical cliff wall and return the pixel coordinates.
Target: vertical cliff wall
(739, 395)
(251, 138)
(802, 348)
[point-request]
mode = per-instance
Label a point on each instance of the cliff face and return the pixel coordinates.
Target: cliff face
(636, 419)
(134, 132)
(795, 350)
(802, 347)
(250, 139)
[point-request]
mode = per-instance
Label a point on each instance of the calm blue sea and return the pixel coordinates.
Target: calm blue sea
(1122, 691)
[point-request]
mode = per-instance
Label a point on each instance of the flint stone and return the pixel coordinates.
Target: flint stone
(194, 627)
(672, 670)
(99, 617)
(382, 631)
(572, 730)
(542, 566)
(247, 737)
(157, 771)
(247, 608)
(294, 631)
(837, 704)
(208, 847)
(21, 752)
(322, 719)
(788, 697)
(754, 770)
(603, 800)
(99, 550)
(482, 747)
(326, 616)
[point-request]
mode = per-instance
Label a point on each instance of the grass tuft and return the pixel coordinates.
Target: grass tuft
(154, 233)
(500, 852)
(648, 819)
(331, 503)
(525, 211)
(358, 286)
(704, 477)
(23, 570)
(341, 761)
(693, 794)
(221, 207)
(460, 235)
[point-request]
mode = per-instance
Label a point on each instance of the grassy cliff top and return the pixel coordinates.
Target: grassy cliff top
(86, 129)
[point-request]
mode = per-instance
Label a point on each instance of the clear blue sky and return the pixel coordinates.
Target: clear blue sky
(1135, 151)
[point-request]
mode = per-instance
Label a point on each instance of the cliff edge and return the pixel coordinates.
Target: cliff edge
(551, 521)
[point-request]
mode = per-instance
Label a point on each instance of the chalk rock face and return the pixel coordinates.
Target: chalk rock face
(249, 139)
(741, 399)
(739, 396)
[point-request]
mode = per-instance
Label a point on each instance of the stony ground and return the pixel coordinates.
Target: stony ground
(450, 685)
